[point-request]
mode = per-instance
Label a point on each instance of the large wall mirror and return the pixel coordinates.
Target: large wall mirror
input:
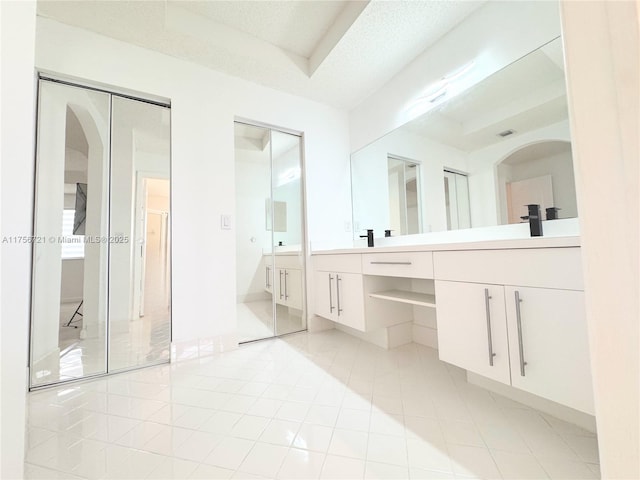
(477, 157)
(101, 267)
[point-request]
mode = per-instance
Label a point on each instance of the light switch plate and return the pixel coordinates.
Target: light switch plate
(225, 222)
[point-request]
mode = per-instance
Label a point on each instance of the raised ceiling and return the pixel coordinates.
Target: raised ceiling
(335, 52)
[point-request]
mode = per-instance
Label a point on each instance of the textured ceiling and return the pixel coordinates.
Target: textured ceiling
(335, 52)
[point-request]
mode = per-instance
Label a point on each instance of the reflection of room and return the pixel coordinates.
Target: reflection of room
(478, 141)
(101, 273)
(269, 273)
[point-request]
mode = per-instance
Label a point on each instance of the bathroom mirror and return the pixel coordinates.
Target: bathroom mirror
(480, 155)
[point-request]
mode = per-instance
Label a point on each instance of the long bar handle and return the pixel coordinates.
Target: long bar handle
(519, 322)
(338, 280)
(286, 285)
(487, 297)
(331, 307)
(266, 282)
(280, 293)
(390, 263)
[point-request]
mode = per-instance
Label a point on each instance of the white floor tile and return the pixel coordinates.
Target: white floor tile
(421, 474)
(518, 465)
(473, 462)
(503, 437)
(387, 449)
(265, 407)
(173, 468)
(354, 419)
(427, 456)
(280, 432)
(294, 411)
(564, 469)
(349, 443)
(198, 446)
(322, 415)
(386, 423)
(379, 471)
(301, 464)
(341, 468)
(229, 453)
(264, 459)
(221, 422)
(249, 427)
(322, 405)
(313, 437)
(204, 471)
(461, 433)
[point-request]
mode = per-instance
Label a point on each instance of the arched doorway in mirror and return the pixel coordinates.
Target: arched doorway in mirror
(537, 173)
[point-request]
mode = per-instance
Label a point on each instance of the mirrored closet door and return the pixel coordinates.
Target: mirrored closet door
(269, 233)
(101, 254)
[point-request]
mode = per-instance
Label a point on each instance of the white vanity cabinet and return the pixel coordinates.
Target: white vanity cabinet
(284, 280)
(549, 345)
(288, 285)
(472, 328)
(338, 287)
(513, 328)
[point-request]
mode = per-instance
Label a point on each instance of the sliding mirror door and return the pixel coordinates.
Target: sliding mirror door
(68, 331)
(139, 261)
(101, 263)
(288, 221)
(269, 233)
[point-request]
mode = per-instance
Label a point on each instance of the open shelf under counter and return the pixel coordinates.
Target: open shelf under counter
(402, 296)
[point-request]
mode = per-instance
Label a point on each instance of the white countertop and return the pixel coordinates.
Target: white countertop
(531, 242)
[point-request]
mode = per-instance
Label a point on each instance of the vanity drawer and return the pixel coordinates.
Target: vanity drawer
(400, 264)
(347, 263)
(532, 267)
(288, 261)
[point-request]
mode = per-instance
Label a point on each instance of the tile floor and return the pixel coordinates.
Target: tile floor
(255, 320)
(322, 405)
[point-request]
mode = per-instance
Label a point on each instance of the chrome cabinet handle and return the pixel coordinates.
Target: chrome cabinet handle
(338, 280)
(390, 263)
(286, 285)
(331, 307)
(487, 297)
(519, 322)
(267, 282)
(280, 293)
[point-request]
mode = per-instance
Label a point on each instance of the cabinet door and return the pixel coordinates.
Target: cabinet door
(325, 291)
(349, 300)
(551, 340)
(472, 328)
(293, 288)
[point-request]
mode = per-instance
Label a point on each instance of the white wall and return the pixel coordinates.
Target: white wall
(204, 104)
(602, 57)
(495, 35)
(17, 27)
